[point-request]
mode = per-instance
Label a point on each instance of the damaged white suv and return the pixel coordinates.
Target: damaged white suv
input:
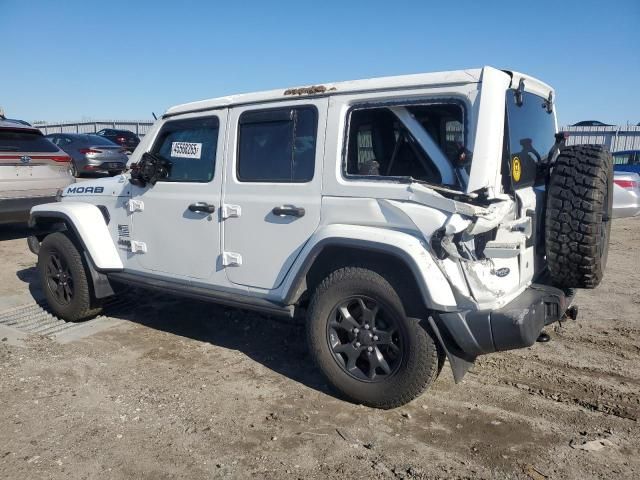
(407, 218)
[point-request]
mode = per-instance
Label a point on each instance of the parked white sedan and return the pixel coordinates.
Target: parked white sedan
(626, 194)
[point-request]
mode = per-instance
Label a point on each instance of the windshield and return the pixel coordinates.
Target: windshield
(98, 140)
(531, 135)
(24, 141)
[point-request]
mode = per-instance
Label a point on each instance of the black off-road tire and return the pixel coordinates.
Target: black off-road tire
(578, 217)
(421, 359)
(81, 304)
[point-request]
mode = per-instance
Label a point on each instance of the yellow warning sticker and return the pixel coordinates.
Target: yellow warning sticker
(516, 169)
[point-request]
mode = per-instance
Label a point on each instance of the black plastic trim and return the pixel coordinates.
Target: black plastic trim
(298, 283)
(204, 293)
(516, 325)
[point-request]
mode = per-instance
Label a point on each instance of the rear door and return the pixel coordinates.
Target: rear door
(273, 187)
(530, 134)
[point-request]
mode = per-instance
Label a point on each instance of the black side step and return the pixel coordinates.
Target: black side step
(205, 293)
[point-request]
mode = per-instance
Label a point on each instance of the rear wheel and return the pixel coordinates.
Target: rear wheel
(363, 342)
(64, 279)
(578, 218)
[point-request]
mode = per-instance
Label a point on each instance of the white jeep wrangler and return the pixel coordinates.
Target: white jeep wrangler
(408, 218)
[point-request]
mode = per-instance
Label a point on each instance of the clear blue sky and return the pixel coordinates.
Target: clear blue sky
(72, 60)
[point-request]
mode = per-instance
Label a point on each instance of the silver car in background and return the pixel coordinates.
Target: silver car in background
(626, 194)
(32, 170)
(91, 153)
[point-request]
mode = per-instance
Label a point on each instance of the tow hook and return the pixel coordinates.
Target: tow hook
(572, 313)
(543, 337)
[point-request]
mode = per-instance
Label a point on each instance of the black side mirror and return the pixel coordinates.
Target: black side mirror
(149, 170)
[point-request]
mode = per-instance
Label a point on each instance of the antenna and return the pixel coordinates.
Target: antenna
(154, 116)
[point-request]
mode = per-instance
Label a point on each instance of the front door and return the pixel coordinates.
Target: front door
(175, 223)
(272, 193)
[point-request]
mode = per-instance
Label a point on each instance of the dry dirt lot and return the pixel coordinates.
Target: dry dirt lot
(168, 388)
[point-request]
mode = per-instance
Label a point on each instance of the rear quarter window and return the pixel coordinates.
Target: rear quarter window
(25, 141)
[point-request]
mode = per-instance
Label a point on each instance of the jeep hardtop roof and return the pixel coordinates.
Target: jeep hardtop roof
(353, 86)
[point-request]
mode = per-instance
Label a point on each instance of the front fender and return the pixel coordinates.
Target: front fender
(433, 285)
(87, 223)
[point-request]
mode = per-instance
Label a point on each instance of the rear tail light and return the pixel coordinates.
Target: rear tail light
(61, 158)
(121, 139)
(627, 184)
(84, 151)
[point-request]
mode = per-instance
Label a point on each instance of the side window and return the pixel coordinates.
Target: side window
(277, 145)
(381, 145)
(190, 147)
(623, 158)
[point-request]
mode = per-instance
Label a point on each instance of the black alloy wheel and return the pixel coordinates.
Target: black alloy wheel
(59, 279)
(364, 339)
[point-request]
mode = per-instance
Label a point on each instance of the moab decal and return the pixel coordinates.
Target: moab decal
(85, 190)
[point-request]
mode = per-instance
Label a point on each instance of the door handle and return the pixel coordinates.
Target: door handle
(283, 210)
(202, 207)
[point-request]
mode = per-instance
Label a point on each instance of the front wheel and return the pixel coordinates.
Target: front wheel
(64, 279)
(363, 342)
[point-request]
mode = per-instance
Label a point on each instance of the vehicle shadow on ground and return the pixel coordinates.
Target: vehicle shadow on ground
(278, 344)
(13, 231)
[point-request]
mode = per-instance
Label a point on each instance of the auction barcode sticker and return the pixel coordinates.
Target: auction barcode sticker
(186, 150)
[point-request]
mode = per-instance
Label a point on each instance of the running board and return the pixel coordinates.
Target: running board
(205, 293)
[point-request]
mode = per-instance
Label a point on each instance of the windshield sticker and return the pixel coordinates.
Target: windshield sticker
(186, 150)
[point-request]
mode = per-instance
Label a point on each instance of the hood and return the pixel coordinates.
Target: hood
(111, 187)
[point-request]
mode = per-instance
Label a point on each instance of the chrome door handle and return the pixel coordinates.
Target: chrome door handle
(285, 210)
(202, 207)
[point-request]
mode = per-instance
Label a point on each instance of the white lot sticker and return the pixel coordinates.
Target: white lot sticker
(186, 149)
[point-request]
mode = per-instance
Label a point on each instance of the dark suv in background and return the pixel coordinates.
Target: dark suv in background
(124, 138)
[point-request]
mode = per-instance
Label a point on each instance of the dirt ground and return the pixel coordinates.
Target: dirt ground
(169, 388)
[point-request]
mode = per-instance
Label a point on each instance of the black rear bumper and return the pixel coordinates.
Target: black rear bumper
(516, 325)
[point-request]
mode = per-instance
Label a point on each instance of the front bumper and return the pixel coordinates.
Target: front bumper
(516, 325)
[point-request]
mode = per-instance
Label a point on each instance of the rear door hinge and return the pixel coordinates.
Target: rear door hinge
(231, 259)
(135, 205)
(231, 211)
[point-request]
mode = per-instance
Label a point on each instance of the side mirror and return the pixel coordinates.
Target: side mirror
(149, 170)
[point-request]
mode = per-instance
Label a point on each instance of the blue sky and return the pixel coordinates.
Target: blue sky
(72, 60)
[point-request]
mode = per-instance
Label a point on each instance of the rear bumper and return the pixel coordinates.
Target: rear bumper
(17, 209)
(516, 325)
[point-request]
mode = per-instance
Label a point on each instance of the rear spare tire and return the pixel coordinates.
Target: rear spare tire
(578, 216)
